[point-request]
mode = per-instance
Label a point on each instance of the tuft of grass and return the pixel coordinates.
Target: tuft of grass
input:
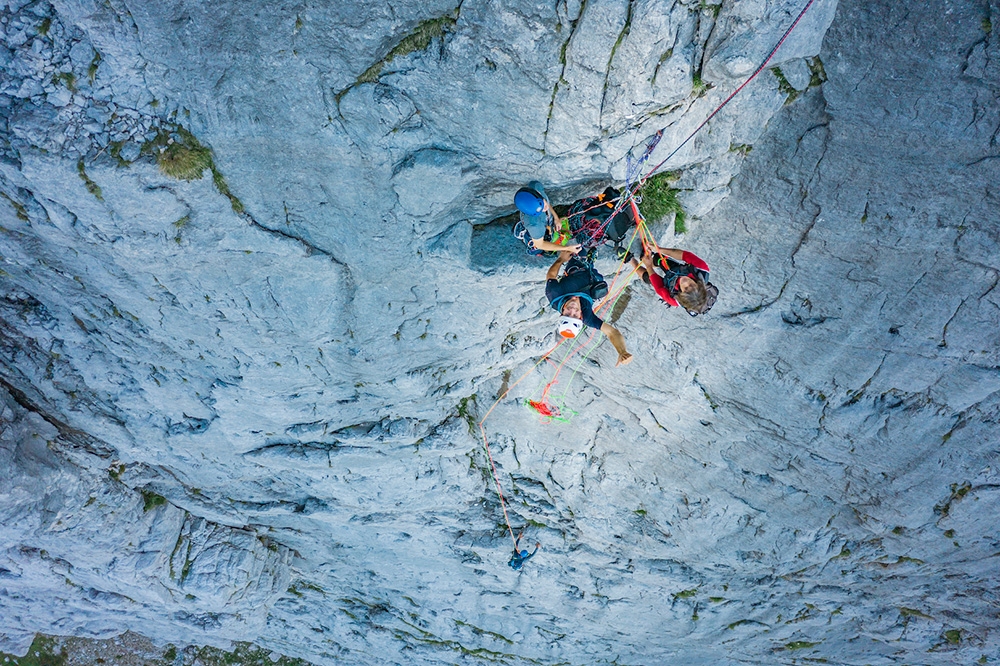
(220, 184)
(740, 623)
(186, 159)
(987, 25)
(43, 29)
(799, 645)
(68, 79)
(179, 226)
(464, 410)
(659, 199)
(698, 85)
(903, 559)
(92, 187)
(151, 500)
(953, 636)
(818, 73)
(92, 69)
(685, 594)
(708, 7)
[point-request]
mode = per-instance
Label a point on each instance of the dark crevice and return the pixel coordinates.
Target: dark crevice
(805, 234)
(855, 396)
(944, 331)
(611, 59)
(562, 72)
(417, 39)
(763, 306)
(74, 436)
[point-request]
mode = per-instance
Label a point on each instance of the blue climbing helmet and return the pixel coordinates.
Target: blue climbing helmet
(529, 202)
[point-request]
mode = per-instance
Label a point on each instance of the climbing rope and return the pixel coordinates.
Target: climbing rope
(632, 188)
(486, 443)
(760, 68)
(543, 406)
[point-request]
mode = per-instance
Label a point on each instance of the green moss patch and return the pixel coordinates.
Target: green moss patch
(417, 39)
(44, 651)
(151, 500)
(92, 187)
(817, 72)
(92, 68)
(68, 79)
(19, 210)
(784, 87)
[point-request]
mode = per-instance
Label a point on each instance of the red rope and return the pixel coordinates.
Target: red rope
(503, 504)
(731, 96)
(486, 443)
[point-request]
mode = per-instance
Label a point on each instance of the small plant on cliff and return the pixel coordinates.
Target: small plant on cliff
(92, 187)
(180, 155)
(659, 199)
(417, 40)
(183, 157)
(151, 500)
(698, 85)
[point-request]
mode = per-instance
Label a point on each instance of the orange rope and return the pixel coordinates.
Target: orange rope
(610, 298)
(486, 444)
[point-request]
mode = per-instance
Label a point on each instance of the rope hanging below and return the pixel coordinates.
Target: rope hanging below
(544, 407)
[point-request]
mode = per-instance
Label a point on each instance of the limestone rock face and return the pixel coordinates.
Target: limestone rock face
(252, 310)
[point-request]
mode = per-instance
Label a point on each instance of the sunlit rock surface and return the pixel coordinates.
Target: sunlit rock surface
(244, 407)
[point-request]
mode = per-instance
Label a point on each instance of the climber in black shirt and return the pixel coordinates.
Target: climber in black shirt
(573, 295)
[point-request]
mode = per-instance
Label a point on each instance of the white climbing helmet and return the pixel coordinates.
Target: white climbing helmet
(570, 327)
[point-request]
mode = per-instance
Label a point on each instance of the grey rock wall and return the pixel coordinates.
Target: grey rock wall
(243, 407)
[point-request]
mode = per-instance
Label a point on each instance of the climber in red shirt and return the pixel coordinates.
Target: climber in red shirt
(684, 281)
